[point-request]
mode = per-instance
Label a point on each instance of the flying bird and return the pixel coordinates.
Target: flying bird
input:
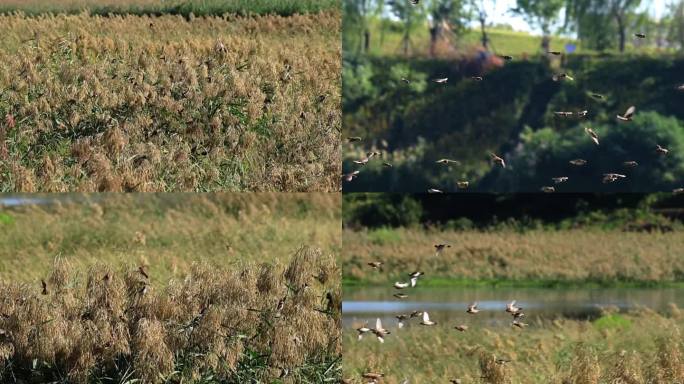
(354, 139)
(661, 150)
(400, 295)
(439, 248)
(562, 76)
(387, 165)
(630, 164)
(561, 179)
(462, 184)
(592, 134)
(640, 35)
(547, 189)
(434, 190)
(141, 269)
(512, 308)
(497, 160)
(447, 161)
(629, 114)
(472, 308)
(476, 78)
(426, 320)
(379, 331)
(416, 274)
(375, 264)
(441, 81)
(506, 57)
(349, 177)
(401, 319)
(555, 53)
(362, 330)
(612, 177)
(596, 95)
(578, 162)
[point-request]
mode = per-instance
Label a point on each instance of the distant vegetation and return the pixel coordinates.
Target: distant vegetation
(140, 104)
(642, 347)
(166, 232)
(216, 325)
(174, 7)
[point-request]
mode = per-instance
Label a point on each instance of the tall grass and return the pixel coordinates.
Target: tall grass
(167, 232)
(176, 7)
(572, 256)
(216, 325)
(138, 103)
(547, 351)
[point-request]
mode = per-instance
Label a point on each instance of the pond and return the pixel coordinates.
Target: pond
(449, 304)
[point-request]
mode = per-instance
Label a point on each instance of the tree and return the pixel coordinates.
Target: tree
(598, 21)
(482, 17)
(411, 16)
(542, 13)
(447, 16)
(676, 30)
(622, 10)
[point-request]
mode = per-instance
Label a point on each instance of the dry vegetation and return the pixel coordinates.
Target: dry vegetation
(167, 232)
(549, 255)
(215, 325)
(137, 103)
(641, 348)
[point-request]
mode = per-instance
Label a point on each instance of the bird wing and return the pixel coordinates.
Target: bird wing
(426, 317)
(630, 112)
(413, 281)
(378, 324)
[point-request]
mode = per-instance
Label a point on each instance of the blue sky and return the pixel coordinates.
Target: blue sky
(497, 12)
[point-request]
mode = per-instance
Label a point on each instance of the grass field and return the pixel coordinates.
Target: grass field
(534, 257)
(185, 8)
(639, 348)
(137, 103)
(166, 232)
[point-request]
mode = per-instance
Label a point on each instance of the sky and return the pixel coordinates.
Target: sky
(497, 13)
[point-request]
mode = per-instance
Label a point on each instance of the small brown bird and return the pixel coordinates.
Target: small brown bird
(441, 81)
(661, 151)
(375, 264)
(44, 285)
(462, 184)
(560, 179)
(434, 190)
(547, 189)
(439, 248)
(562, 76)
(472, 309)
(141, 269)
(353, 139)
(349, 177)
(630, 164)
(640, 35)
(497, 160)
(612, 177)
(592, 134)
(447, 161)
(629, 114)
(426, 320)
(578, 162)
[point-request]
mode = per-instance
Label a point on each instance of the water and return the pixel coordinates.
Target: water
(449, 304)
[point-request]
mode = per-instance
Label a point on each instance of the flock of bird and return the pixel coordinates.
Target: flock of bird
(380, 332)
(498, 161)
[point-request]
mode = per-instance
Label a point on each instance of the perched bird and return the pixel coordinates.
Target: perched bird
(441, 81)
(400, 295)
(592, 135)
(375, 264)
(461, 328)
(141, 269)
(426, 320)
(560, 179)
(472, 308)
(448, 161)
(434, 190)
(612, 177)
(349, 177)
(439, 248)
(661, 151)
(512, 308)
(640, 35)
(363, 330)
(630, 164)
(44, 286)
(629, 114)
(462, 184)
(547, 189)
(578, 162)
(353, 139)
(401, 319)
(497, 160)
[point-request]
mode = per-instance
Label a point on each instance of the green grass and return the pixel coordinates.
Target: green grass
(176, 7)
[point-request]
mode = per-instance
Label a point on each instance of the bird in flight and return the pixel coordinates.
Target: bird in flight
(661, 150)
(353, 139)
(426, 320)
(434, 190)
(640, 35)
(592, 134)
(547, 189)
(630, 164)
(439, 248)
(441, 80)
(612, 177)
(462, 184)
(578, 162)
(447, 161)
(375, 264)
(629, 114)
(472, 308)
(561, 179)
(349, 177)
(497, 160)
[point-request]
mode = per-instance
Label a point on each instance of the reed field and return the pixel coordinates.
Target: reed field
(196, 7)
(643, 347)
(169, 103)
(166, 232)
(268, 322)
(539, 256)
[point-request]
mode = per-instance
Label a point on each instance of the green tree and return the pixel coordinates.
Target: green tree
(447, 16)
(411, 17)
(676, 29)
(599, 21)
(541, 13)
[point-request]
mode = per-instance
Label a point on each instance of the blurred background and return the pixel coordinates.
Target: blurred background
(393, 50)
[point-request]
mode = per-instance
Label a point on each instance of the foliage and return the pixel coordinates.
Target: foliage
(134, 103)
(541, 13)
